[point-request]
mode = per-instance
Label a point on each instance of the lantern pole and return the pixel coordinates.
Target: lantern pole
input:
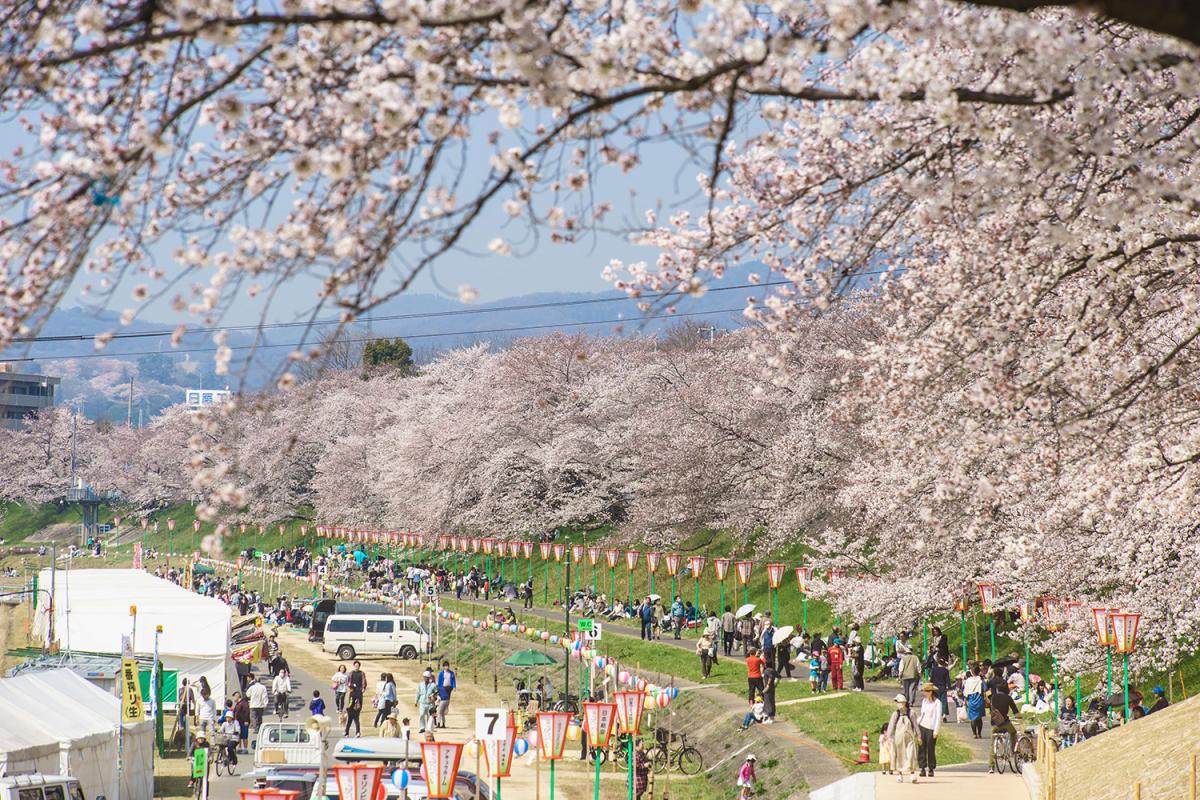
(596, 783)
(612, 582)
(545, 582)
(992, 628)
(1125, 661)
(552, 778)
(963, 628)
(775, 605)
(629, 760)
(697, 596)
(1108, 651)
(722, 594)
(1054, 661)
(1026, 665)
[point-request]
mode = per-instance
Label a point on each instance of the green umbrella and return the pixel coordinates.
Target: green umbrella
(528, 658)
(203, 569)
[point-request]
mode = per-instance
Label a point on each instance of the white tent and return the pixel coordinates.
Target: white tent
(57, 723)
(92, 614)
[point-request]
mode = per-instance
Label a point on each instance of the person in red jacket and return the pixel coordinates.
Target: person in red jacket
(837, 657)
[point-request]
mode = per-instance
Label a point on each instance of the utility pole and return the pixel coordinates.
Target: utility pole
(129, 407)
(712, 332)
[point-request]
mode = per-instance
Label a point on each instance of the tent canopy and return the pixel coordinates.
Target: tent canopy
(92, 614)
(57, 722)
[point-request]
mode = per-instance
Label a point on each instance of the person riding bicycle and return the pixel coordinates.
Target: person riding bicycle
(1002, 713)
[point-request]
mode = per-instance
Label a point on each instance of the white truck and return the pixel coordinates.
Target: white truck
(40, 787)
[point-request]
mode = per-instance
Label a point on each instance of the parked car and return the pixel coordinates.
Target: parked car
(353, 635)
(40, 787)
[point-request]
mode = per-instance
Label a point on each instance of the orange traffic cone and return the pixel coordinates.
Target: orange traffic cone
(864, 750)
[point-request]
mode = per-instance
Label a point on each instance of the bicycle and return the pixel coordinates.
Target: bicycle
(1026, 750)
(220, 754)
(685, 758)
(1002, 752)
(566, 702)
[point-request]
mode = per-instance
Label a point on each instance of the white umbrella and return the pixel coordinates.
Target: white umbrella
(654, 598)
(746, 610)
(784, 632)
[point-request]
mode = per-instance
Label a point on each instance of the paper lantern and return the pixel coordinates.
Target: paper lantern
(400, 779)
(499, 752)
(803, 578)
(630, 706)
(593, 554)
(357, 781)
(652, 560)
(611, 557)
(560, 550)
(696, 565)
(269, 794)
(988, 592)
(598, 720)
(744, 569)
(631, 559)
(544, 548)
(552, 733)
(577, 553)
(573, 732)
(775, 575)
(439, 766)
(662, 700)
(1125, 625)
(672, 563)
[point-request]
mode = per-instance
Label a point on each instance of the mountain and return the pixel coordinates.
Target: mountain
(98, 380)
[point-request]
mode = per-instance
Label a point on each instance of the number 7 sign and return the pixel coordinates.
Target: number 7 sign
(490, 724)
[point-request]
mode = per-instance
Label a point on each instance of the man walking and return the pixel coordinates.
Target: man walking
(446, 684)
(647, 617)
(677, 615)
(910, 673)
(728, 625)
(256, 695)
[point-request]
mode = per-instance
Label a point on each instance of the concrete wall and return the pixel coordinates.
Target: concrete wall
(1154, 751)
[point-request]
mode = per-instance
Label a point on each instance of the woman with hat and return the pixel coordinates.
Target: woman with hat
(902, 730)
(929, 724)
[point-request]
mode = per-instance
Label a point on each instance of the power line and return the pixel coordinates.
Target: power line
(79, 337)
(370, 338)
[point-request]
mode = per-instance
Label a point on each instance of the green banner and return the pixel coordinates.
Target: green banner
(199, 762)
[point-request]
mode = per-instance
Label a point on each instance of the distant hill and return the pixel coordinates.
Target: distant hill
(432, 324)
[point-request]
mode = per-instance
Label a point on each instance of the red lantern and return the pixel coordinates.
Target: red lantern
(775, 575)
(593, 554)
(544, 547)
(269, 794)
(630, 706)
(672, 564)
(142, 521)
(988, 592)
(552, 733)
(696, 565)
(1124, 626)
(743, 571)
(304, 530)
(1050, 608)
(598, 721)
(577, 553)
(1105, 636)
(560, 550)
(611, 557)
(195, 525)
(170, 524)
(488, 546)
(439, 766)
(803, 578)
(527, 549)
(498, 753)
(631, 559)
(652, 560)
(357, 781)
(721, 565)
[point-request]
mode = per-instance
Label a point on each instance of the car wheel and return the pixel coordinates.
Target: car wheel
(345, 652)
(408, 651)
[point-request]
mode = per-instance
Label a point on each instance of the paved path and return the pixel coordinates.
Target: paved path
(954, 783)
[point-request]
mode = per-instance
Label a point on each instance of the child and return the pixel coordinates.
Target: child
(316, 705)
(814, 671)
(885, 750)
(747, 777)
(823, 683)
(405, 729)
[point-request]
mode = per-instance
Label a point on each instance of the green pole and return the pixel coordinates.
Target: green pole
(925, 642)
(593, 577)
(552, 778)
(612, 583)
(497, 789)
(775, 606)
(697, 598)
(596, 784)
(804, 608)
(746, 592)
(963, 621)
(631, 588)
(1078, 697)
(1026, 665)
(1126, 681)
(1108, 682)
(629, 759)
(545, 583)
(672, 588)
(992, 626)
(1054, 661)
(560, 582)
(722, 596)
(529, 568)
(651, 583)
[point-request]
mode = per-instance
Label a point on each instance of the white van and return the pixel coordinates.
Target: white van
(40, 787)
(287, 744)
(351, 635)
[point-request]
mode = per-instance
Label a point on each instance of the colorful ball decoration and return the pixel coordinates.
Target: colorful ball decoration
(573, 732)
(400, 778)
(472, 748)
(662, 700)
(553, 639)
(623, 677)
(600, 662)
(674, 692)
(520, 746)
(545, 635)
(522, 629)
(641, 684)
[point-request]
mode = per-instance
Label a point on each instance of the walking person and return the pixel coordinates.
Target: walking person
(354, 704)
(939, 676)
(677, 616)
(747, 777)
(704, 647)
(316, 705)
(425, 691)
(929, 724)
(973, 692)
(357, 680)
(770, 680)
(857, 666)
(837, 657)
(241, 715)
(902, 730)
(646, 615)
(339, 683)
(641, 769)
(281, 687)
(256, 695)
(728, 627)
(910, 673)
(447, 682)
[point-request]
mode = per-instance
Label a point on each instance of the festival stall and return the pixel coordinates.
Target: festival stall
(92, 614)
(57, 723)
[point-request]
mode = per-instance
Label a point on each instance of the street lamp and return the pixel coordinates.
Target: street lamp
(1106, 638)
(988, 592)
(1125, 625)
(598, 719)
(630, 706)
(499, 754)
(744, 569)
(552, 738)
